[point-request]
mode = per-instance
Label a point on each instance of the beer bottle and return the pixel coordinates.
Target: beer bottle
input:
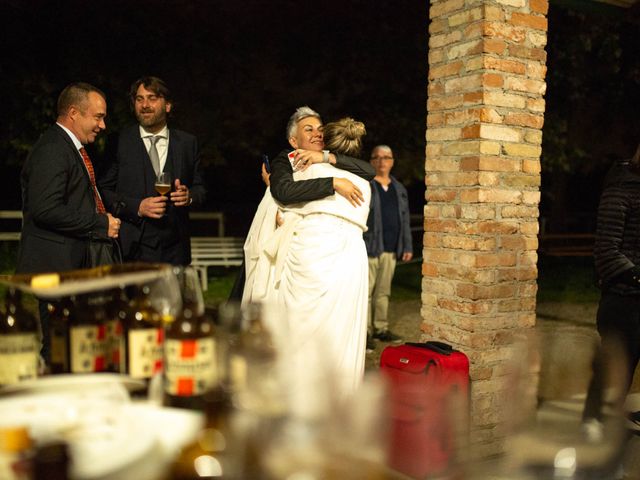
(87, 336)
(214, 452)
(142, 336)
(61, 312)
(115, 309)
(190, 359)
(19, 344)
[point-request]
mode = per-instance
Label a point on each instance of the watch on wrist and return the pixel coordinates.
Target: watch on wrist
(325, 156)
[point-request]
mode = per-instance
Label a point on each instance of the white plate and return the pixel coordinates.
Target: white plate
(74, 382)
(109, 436)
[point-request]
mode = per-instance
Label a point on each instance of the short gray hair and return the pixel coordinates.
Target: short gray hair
(382, 147)
(300, 114)
(76, 94)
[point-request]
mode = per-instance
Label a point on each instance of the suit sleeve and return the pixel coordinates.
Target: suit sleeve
(50, 172)
(118, 204)
(197, 189)
(357, 167)
(287, 191)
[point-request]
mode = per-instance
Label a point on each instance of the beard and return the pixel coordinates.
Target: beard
(156, 119)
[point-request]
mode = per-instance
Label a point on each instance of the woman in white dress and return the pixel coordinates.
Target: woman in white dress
(315, 265)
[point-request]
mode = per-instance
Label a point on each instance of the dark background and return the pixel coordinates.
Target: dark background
(238, 69)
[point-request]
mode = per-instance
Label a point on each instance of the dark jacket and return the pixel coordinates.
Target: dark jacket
(373, 237)
(617, 245)
(287, 191)
(58, 206)
(130, 178)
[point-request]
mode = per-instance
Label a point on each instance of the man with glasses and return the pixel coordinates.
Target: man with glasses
(388, 239)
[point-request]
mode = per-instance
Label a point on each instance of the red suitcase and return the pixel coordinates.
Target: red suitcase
(429, 393)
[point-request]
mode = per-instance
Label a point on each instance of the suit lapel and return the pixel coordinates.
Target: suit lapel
(139, 151)
(173, 159)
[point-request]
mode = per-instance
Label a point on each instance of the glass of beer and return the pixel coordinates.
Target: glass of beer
(163, 183)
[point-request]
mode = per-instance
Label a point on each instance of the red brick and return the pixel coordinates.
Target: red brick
(494, 45)
(439, 195)
(471, 131)
(524, 120)
(442, 226)
(492, 80)
(509, 66)
(473, 97)
(539, 6)
(537, 22)
(435, 88)
(435, 120)
(429, 269)
(446, 70)
(472, 308)
(530, 53)
(504, 31)
(469, 163)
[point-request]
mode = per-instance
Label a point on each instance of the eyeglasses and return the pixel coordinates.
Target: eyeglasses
(386, 157)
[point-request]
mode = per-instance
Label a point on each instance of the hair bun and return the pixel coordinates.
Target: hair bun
(353, 128)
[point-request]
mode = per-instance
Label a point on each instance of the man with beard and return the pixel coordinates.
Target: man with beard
(155, 227)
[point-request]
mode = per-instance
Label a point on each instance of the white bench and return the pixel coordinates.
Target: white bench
(215, 252)
(10, 215)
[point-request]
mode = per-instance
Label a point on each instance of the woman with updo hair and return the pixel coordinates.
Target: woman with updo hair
(344, 136)
(314, 265)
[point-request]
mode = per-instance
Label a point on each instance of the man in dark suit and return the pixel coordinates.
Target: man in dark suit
(155, 227)
(61, 206)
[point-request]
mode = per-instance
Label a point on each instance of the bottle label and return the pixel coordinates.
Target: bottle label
(190, 366)
(88, 346)
(18, 357)
(145, 352)
(59, 350)
(114, 341)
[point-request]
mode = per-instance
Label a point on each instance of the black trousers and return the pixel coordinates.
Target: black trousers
(618, 322)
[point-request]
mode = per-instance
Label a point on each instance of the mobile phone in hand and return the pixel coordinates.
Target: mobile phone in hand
(265, 161)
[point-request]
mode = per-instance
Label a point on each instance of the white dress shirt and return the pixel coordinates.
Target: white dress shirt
(162, 144)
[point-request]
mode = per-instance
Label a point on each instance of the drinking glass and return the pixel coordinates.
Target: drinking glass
(163, 183)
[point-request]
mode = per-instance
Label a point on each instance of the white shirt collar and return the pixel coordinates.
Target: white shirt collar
(164, 133)
(74, 139)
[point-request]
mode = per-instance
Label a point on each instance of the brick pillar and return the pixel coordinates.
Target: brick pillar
(485, 115)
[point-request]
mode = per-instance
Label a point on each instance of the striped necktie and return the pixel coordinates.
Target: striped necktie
(92, 177)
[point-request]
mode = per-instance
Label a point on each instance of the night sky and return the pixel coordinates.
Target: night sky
(237, 70)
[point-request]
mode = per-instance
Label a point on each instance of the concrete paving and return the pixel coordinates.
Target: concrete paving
(566, 339)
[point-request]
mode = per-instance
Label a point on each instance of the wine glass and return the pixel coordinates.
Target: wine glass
(163, 183)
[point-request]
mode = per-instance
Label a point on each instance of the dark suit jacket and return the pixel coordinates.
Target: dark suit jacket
(287, 191)
(130, 178)
(59, 209)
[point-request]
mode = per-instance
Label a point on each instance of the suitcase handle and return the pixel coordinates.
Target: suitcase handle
(439, 347)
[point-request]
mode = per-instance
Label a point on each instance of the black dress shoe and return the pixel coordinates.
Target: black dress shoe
(387, 336)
